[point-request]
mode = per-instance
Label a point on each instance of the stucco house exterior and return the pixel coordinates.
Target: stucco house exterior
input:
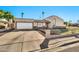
(27, 23)
(6, 24)
(49, 22)
(55, 21)
(3, 23)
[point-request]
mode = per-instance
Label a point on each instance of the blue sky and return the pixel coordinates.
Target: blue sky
(65, 12)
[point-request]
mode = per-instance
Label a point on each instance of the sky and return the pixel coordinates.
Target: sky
(65, 12)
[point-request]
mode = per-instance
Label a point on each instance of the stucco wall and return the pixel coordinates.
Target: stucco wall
(55, 21)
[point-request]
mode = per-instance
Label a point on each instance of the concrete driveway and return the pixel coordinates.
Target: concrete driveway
(21, 41)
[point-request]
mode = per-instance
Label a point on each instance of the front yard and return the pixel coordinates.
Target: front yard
(71, 30)
(68, 30)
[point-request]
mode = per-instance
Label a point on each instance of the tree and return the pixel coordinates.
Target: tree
(1, 13)
(43, 14)
(22, 14)
(66, 23)
(7, 15)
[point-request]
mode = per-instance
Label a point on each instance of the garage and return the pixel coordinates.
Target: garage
(24, 25)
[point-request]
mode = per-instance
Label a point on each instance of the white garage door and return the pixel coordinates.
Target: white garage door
(24, 25)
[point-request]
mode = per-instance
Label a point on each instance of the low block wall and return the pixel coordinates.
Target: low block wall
(46, 32)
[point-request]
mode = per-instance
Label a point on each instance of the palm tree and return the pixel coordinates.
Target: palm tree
(43, 14)
(22, 14)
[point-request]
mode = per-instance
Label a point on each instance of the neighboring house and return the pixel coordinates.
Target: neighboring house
(6, 24)
(55, 21)
(3, 23)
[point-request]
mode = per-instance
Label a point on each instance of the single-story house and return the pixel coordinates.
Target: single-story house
(49, 22)
(26, 23)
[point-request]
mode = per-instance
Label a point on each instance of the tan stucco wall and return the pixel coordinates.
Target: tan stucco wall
(39, 24)
(56, 22)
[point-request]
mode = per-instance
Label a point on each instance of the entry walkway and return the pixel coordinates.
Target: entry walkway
(21, 41)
